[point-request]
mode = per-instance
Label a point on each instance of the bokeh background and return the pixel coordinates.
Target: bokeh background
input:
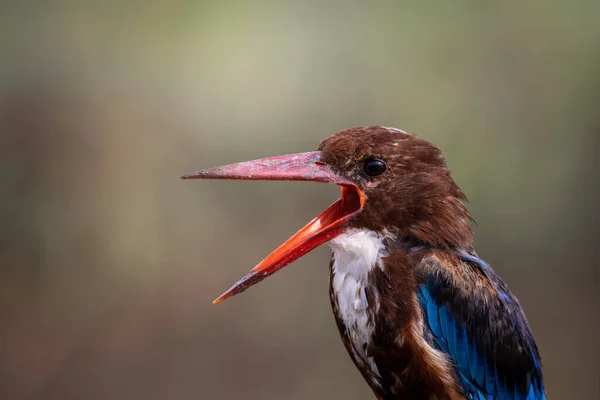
(109, 262)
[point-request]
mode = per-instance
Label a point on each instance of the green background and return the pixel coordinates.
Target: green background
(109, 262)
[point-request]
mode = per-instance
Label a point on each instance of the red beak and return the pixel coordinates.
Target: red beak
(292, 167)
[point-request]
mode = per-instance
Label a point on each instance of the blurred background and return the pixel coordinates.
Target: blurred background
(109, 262)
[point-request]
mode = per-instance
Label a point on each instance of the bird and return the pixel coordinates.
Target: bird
(421, 315)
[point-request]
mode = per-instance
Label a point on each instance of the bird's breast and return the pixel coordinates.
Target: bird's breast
(355, 254)
(378, 315)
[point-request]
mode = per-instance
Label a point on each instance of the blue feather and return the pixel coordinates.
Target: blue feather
(460, 347)
(476, 365)
(490, 377)
(434, 317)
(478, 375)
(444, 319)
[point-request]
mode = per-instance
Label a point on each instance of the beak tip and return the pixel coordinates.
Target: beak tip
(202, 174)
(222, 297)
(239, 287)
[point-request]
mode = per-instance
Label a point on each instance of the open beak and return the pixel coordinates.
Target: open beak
(327, 225)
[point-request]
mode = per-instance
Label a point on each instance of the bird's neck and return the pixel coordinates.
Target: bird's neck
(357, 251)
(436, 218)
(442, 222)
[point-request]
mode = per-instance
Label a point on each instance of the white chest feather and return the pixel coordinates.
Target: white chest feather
(355, 254)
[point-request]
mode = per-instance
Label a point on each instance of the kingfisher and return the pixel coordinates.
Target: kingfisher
(420, 314)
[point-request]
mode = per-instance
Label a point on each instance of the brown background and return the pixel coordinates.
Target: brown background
(109, 262)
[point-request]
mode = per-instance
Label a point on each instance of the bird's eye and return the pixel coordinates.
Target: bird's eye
(374, 167)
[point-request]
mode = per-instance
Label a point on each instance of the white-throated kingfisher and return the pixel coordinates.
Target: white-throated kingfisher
(421, 315)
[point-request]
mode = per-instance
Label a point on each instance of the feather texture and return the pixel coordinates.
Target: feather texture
(486, 336)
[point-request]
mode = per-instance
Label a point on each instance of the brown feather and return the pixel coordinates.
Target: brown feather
(416, 197)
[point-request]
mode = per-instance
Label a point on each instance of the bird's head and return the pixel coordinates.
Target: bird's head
(391, 183)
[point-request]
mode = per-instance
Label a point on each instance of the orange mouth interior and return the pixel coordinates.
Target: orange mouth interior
(326, 226)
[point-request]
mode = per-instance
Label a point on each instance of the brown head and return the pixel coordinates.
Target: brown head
(392, 183)
(408, 188)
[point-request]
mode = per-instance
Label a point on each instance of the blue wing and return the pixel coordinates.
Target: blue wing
(481, 326)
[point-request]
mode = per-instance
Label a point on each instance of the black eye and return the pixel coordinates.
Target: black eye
(374, 167)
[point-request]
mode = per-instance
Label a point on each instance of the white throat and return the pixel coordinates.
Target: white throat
(355, 254)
